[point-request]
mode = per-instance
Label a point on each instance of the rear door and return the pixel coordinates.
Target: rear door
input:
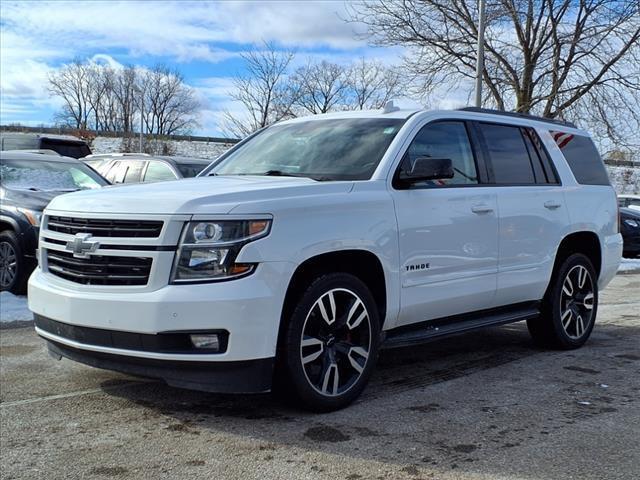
(448, 229)
(532, 212)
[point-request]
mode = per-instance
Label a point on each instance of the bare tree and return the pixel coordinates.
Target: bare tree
(372, 84)
(103, 98)
(170, 106)
(71, 84)
(558, 58)
(263, 91)
(98, 87)
(123, 100)
(323, 87)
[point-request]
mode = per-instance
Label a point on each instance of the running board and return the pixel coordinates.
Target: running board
(434, 329)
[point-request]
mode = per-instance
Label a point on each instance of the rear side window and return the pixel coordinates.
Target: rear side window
(583, 158)
(189, 170)
(508, 153)
(117, 172)
(134, 172)
(157, 172)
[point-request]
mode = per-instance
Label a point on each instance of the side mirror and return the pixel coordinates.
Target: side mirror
(427, 168)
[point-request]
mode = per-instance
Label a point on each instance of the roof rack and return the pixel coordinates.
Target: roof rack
(525, 116)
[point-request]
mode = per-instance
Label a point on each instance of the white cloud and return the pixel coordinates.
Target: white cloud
(38, 37)
(182, 30)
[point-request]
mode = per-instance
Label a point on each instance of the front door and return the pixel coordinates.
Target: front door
(448, 230)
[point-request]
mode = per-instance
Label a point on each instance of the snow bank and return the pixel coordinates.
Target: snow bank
(629, 265)
(13, 308)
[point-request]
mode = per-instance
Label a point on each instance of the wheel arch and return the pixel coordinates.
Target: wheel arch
(363, 264)
(8, 223)
(585, 242)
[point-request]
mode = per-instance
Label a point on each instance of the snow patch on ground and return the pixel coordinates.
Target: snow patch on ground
(629, 265)
(13, 308)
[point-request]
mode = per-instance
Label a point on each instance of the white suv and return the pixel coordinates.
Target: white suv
(318, 241)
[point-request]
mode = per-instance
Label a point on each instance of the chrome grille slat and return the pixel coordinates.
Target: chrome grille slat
(99, 269)
(105, 227)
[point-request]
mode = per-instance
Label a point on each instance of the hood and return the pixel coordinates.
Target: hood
(202, 195)
(34, 200)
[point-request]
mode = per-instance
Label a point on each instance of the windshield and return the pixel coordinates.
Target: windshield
(337, 149)
(48, 176)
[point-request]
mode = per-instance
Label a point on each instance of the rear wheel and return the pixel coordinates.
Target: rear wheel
(570, 305)
(331, 343)
(14, 271)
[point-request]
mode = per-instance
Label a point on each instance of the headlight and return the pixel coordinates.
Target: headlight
(208, 249)
(34, 217)
(631, 223)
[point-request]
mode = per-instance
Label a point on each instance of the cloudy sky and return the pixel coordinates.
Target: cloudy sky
(201, 39)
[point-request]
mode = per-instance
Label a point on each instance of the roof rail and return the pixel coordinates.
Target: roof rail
(525, 116)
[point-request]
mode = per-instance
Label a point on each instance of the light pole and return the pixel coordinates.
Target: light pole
(141, 120)
(480, 53)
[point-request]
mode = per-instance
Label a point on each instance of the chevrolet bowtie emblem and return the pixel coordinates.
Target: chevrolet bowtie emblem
(82, 246)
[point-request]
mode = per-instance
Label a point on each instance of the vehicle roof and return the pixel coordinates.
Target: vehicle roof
(116, 155)
(629, 195)
(144, 156)
(464, 113)
(35, 157)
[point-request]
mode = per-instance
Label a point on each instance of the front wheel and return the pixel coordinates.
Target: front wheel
(14, 269)
(569, 307)
(331, 342)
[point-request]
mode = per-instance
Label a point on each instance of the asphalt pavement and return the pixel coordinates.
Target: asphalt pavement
(485, 405)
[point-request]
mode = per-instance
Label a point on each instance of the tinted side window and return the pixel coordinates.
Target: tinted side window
(539, 152)
(508, 154)
(134, 173)
(158, 171)
(444, 140)
(583, 158)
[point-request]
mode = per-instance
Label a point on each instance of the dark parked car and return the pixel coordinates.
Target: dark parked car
(135, 168)
(66, 145)
(630, 229)
(28, 181)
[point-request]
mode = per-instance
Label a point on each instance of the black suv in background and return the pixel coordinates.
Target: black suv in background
(140, 167)
(630, 230)
(28, 182)
(65, 145)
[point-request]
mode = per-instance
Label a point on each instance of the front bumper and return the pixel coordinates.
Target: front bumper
(248, 309)
(250, 376)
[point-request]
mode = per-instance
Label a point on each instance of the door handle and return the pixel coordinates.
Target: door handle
(552, 204)
(481, 208)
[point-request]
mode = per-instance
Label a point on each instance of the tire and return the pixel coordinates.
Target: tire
(14, 269)
(330, 344)
(570, 306)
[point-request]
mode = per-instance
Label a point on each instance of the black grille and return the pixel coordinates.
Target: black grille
(99, 269)
(105, 228)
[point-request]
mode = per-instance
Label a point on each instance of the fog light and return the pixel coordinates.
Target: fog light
(208, 341)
